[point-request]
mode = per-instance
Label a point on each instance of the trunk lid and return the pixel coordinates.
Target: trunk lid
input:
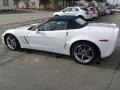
(107, 25)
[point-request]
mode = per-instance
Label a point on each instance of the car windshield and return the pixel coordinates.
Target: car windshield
(33, 27)
(81, 21)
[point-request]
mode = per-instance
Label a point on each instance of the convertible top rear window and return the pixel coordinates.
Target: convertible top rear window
(80, 21)
(77, 23)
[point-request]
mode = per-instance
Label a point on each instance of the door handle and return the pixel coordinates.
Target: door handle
(67, 33)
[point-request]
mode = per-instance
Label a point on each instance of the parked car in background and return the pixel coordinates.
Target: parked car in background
(82, 12)
(93, 11)
(101, 12)
(107, 11)
(112, 11)
(116, 10)
(69, 35)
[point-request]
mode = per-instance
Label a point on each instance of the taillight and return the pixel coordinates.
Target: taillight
(103, 40)
(87, 13)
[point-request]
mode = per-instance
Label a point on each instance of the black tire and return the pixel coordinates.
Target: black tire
(56, 16)
(92, 52)
(15, 43)
(81, 17)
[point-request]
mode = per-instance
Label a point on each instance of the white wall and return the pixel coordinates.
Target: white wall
(36, 4)
(10, 6)
(22, 4)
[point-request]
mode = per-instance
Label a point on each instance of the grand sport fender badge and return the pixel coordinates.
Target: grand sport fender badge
(103, 40)
(26, 40)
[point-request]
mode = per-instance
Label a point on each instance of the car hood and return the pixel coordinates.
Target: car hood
(21, 28)
(16, 30)
(24, 28)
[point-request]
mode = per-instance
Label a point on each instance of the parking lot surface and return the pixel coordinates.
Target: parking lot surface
(23, 16)
(36, 70)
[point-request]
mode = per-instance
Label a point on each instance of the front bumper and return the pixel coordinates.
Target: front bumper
(3, 41)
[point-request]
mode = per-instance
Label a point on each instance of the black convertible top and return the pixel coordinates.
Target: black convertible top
(63, 18)
(71, 23)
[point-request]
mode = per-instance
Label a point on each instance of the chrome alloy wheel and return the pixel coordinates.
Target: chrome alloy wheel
(11, 42)
(83, 53)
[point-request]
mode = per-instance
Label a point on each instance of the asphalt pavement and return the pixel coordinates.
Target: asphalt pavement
(36, 70)
(30, 15)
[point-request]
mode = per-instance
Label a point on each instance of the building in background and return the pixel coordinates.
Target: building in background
(28, 4)
(7, 5)
(60, 4)
(44, 4)
(92, 3)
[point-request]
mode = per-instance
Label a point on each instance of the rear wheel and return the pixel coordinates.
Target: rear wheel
(84, 52)
(81, 17)
(11, 42)
(56, 15)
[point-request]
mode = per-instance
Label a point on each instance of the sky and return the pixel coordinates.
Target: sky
(115, 1)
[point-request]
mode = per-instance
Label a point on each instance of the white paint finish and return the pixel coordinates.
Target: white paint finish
(10, 5)
(59, 42)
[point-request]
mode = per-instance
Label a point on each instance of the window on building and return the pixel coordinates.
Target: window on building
(5, 3)
(33, 3)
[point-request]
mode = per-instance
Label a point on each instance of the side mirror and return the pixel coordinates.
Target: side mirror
(37, 30)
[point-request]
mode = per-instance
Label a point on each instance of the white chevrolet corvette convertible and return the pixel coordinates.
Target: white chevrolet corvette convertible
(68, 35)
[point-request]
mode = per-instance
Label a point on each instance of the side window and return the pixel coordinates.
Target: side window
(75, 9)
(67, 10)
(5, 3)
(53, 25)
(73, 25)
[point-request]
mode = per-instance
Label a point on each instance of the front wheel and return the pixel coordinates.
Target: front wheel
(56, 16)
(84, 53)
(11, 42)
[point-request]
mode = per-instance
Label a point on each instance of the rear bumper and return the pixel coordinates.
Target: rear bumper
(95, 15)
(110, 47)
(3, 40)
(87, 17)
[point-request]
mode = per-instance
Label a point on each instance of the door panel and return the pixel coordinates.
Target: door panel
(47, 40)
(50, 36)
